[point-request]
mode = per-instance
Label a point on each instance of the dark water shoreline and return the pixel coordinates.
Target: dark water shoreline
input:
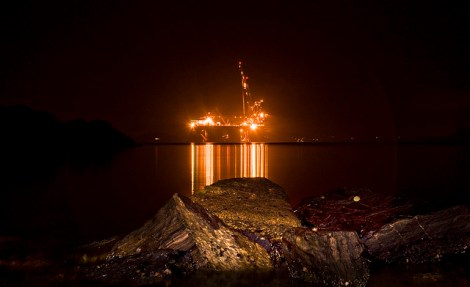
(135, 177)
(47, 263)
(51, 216)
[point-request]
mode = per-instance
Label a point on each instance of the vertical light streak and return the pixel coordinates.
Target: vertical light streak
(193, 167)
(209, 161)
(218, 165)
(234, 154)
(228, 165)
(247, 161)
(242, 160)
(261, 159)
(266, 162)
(253, 160)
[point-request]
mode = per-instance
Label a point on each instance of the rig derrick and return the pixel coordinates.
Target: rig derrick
(247, 127)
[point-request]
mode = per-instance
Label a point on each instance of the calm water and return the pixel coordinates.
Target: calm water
(139, 181)
(121, 195)
(116, 197)
(80, 204)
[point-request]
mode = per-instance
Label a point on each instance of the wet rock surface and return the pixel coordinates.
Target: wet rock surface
(330, 258)
(139, 269)
(422, 238)
(243, 226)
(392, 230)
(243, 231)
(359, 210)
(183, 225)
(255, 205)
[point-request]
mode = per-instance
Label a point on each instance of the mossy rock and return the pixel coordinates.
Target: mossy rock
(251, 204)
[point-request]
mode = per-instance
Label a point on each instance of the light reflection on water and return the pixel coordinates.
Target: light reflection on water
(94, 202)
(210, 163)
(302, 170)
(141, 180)
(104, 200)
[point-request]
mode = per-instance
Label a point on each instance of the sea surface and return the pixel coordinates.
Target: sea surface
(118, 195)
(91, 202)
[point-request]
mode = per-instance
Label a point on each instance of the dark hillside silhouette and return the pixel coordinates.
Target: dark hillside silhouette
(34, 145)
(35, 142)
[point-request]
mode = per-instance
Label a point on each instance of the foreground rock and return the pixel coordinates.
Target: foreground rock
(139, 269)
(243, 232)
(330, 258)
(182, 225)
(391, 229)
(245, 226)
(239, 225)
(422, 238)
(255, 205)
(359, 210)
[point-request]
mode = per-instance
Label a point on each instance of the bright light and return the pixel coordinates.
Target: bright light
(252, 118)
(208, 121)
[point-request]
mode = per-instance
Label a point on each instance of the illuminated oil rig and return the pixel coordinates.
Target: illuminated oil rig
(248, 127)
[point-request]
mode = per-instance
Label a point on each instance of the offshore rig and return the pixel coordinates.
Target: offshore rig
(248, 127)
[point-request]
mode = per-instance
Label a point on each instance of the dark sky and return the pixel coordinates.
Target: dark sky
(362, 69)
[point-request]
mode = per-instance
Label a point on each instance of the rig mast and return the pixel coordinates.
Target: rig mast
(246, 96)
(247, 126)
(254, 107)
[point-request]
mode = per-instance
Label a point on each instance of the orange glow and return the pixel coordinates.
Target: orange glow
(208, 121)
(253, 117)
(253, 163)
(208, 155)
(210, 163)
(193, 160)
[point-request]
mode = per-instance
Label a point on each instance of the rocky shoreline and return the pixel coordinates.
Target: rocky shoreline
(245, 227)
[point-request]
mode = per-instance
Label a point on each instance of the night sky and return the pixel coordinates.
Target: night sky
(352, 69)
